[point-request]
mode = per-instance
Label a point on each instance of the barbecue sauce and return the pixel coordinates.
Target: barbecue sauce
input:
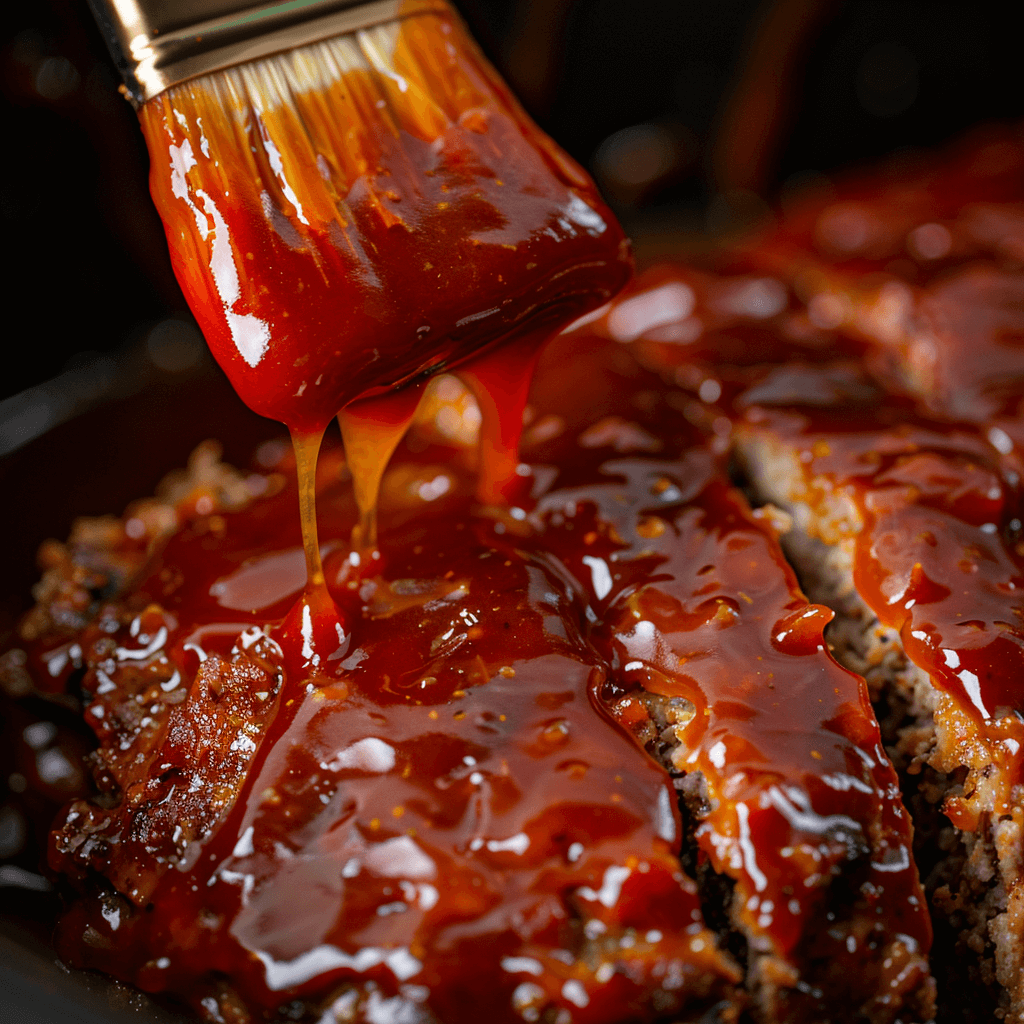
(347, 218)
(480, 708)
(458, 812)
(370, 431)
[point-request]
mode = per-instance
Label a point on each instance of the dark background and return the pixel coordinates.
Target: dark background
(691, 114)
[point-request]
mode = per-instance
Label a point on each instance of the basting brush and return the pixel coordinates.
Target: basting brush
(354, 200)
(351, 194)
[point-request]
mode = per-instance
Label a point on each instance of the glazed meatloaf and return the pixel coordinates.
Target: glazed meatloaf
(867, 354)
(718, 720)
(586, 758)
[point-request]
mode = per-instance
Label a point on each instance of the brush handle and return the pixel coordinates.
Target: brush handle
(159, 43)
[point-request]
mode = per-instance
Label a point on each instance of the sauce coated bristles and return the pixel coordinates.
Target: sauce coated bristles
(353, 215)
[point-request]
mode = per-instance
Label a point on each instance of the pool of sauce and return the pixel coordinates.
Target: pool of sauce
(454, 809)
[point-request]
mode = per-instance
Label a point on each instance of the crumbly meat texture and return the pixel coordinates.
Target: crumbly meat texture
(103, 554)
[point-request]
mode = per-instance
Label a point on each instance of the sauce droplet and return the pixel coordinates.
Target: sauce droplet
(371, 430)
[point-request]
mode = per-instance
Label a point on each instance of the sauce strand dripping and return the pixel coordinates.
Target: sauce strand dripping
(307, 447)
(500, 383)
(313, 634)
(371, 430)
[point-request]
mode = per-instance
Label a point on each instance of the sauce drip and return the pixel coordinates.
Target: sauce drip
(307, 448)
(371, 430)
(313, 633)
(348, 217)
(500, 382)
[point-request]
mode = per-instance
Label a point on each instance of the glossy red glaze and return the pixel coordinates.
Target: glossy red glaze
(445, 811)
(937, 549)
(347, 217)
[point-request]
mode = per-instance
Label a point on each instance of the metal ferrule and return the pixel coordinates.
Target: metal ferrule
(159, 43)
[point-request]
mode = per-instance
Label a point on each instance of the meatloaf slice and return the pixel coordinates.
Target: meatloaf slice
(910, 532)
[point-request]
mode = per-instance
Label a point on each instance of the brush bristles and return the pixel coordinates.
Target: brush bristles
(361, 210)
(307, 124)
